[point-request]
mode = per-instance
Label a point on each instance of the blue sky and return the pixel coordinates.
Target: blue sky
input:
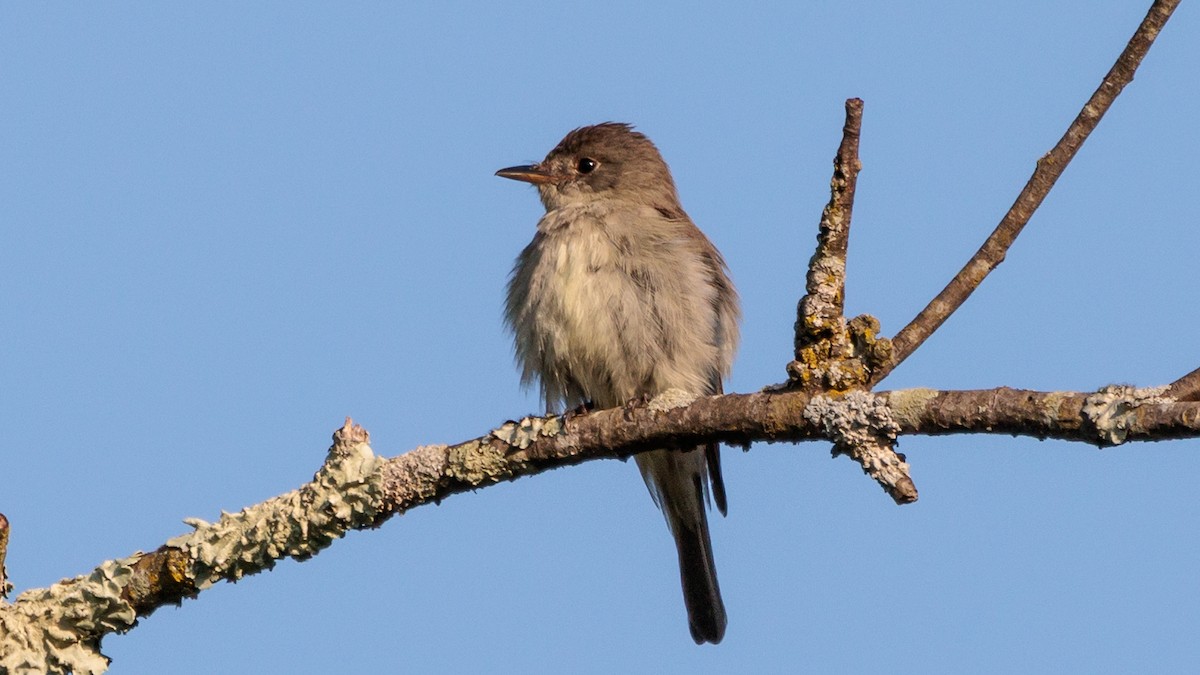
(227, 226)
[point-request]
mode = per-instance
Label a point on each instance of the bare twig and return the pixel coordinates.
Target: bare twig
(1186, 388)
(1048, 170)
(5, 587)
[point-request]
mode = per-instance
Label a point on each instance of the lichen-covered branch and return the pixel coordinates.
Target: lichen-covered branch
(58, 629)
(862, 427)
(820, 311)
(838, 356)
(1049, 168)
(830, 353)
(1144, 414)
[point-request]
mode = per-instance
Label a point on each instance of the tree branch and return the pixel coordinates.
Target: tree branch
(59, 628)
(1049, 168)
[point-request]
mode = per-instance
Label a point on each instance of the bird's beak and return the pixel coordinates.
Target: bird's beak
(530, 173)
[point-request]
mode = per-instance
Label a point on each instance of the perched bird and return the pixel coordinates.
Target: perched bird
(618, 297)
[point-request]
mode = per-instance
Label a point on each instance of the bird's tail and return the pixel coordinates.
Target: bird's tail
(701, 593)
(677, 482)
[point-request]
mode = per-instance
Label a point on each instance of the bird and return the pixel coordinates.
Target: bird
(620, 297)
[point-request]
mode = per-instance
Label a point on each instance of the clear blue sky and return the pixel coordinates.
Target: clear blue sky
(227, 226)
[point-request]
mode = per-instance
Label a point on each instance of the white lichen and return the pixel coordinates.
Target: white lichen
(910, 404)
(523, 433)
(57, 629)
(1112, 409)
(861, 425)
(671, 399)
(854, 419)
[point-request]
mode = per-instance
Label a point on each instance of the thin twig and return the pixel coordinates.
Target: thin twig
(1048, 170)
(1186, 388)
(4, 585)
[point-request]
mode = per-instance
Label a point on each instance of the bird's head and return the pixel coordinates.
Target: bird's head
(608, 161)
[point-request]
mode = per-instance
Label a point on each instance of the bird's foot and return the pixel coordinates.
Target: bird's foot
(578, 411)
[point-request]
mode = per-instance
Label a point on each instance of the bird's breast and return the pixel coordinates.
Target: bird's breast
(610, 308)
(588, 316)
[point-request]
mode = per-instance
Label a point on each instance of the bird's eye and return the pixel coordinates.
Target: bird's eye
(587, 165)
